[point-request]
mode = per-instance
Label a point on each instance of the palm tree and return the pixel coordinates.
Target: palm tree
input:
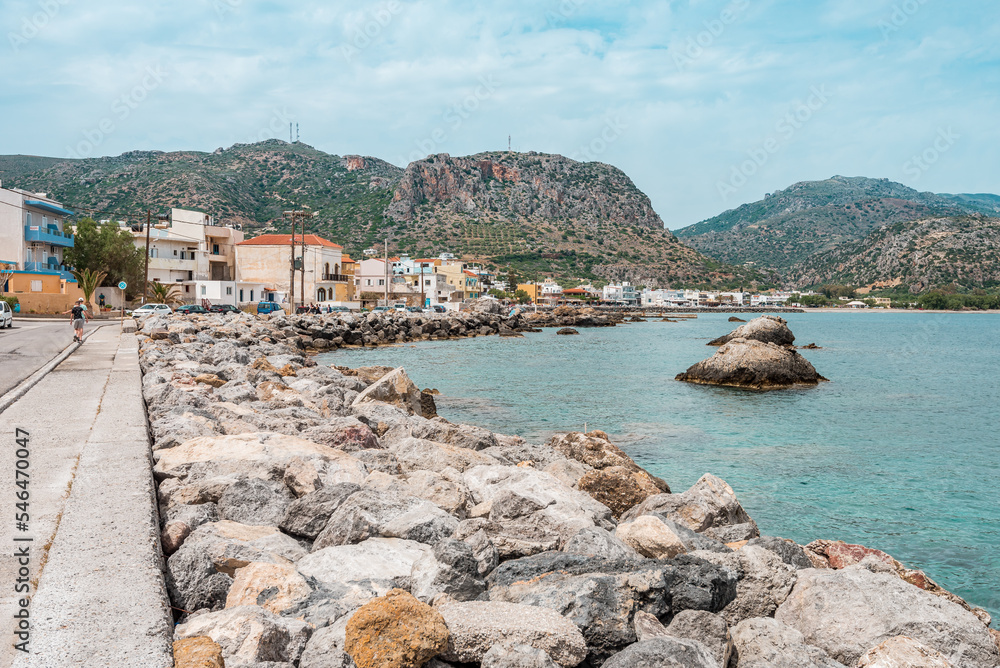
(163, 293)
(89, 281)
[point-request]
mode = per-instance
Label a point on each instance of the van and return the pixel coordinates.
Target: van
(264, 308)
(6, 315)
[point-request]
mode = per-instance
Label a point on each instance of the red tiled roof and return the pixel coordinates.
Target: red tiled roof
(347, 258)
(286, 240)
(575, 291)
(433, 259)
(471, 274)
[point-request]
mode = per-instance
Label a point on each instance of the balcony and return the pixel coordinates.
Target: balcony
(51, 236)
(50, 268)
(335, 278)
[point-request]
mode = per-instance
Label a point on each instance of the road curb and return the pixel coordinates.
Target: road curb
(7, 400)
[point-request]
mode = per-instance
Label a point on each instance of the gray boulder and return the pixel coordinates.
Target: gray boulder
(709, 503)
(663, 652)
(322, 651)
(387, 560)
(753, 365)
(789, 551)
(702, 626)
(594, 542)
(846, 612)
(766, 329)
(249, 634)
(253, 501)
(236, 392)
(763, 642)
(348, 434)
(452, 569)
(764, 581)
(307, 516)
(476, 626)
(370, 512)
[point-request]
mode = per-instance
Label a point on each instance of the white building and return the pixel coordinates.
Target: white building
(33, 235)
(623, 293)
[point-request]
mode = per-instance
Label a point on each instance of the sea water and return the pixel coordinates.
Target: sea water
(900, 451)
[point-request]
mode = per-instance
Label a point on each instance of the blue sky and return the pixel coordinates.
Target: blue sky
(705, 104)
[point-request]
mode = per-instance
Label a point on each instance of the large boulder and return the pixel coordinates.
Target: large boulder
(764, 581)
(476, 626)
(753, 365)
(249, 634)
(372, 513)
(710, 506)
(388, 560)
(663, 652)
(395, 389)
(452, 569)
(415, 454)
(517, 656)
(766, 329)
(618, 488)
(395, 631)
(601, 596)
(198, 652)
(764, 642)
(255, 502)
(846, 612)
(274, 587)
(709, 629)
(650, 537)
(308, 515)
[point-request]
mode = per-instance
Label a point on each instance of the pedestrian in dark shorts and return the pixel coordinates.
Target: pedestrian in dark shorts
(79, 317)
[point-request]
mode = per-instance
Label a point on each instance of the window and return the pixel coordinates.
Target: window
(215, 249)
(187, 288)
(381, 281)
(251, 295)
(27, 218)
(36, 286)
(241, 294)
(368, 281)
(203, 291)
(229, 291)
(190, 275)
(154, 252)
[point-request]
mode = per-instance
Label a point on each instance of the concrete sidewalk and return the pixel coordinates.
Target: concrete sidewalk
(100, 597)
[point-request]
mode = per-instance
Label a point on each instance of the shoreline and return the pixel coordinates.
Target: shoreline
(264, 457)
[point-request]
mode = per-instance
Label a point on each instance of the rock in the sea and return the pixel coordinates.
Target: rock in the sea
(663, 652)
(249, 634)
(766, 329)
(395, 631)
(567, 331)
(846, 612)
(735, 319)
(789, 551)
(764, 642)
(476, 626)
(198, 652)
(753, 365)
(903, 652)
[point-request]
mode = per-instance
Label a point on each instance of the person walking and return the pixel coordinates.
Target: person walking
(79, 317)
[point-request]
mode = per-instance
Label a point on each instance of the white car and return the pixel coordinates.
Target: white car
(152, 309)
(6, 315)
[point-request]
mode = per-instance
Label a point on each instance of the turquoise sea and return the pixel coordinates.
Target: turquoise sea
(899, 452)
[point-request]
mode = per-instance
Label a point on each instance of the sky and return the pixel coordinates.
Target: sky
(705, 104)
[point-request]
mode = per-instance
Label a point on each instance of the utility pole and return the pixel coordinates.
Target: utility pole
(386, 268)
(302, 283)
(145, 278)
(291, 281)
(423, 300)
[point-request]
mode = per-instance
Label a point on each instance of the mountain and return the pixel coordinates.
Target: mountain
(533, 213)
(930, 252)
(790, 226)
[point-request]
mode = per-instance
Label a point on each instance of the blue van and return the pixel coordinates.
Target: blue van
(269, 307)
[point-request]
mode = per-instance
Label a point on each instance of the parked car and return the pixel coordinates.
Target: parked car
(223, 308)
(414, 309)
(6, 315)
(269, 307)
(380, 309)
(188, 309)
(436, 308)
(151, 309)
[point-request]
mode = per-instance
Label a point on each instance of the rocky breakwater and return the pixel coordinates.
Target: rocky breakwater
(570, 316)
(315, 518)
(758, 355)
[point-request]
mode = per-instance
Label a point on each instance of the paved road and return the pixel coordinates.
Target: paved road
(29, 345)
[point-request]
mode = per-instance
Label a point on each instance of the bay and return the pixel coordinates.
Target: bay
(898, 452)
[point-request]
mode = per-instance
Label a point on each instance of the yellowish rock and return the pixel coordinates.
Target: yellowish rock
(274, 587)
(395, 631)
(198, 652)
(651, 538)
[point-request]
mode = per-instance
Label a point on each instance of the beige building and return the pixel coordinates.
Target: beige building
(267, 260)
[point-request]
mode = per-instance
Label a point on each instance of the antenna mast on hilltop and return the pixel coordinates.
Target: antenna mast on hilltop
(289, 133)
(296, 133)
(508, 143)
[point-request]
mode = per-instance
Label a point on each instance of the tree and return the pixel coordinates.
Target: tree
(89, 282)
(522, 297)
(934, 300)
(163, 293)
(110, 249)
